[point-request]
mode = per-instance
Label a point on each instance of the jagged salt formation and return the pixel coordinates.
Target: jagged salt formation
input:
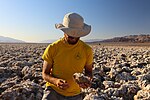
(119, 73)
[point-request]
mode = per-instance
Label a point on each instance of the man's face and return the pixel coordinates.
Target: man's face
(71, 40)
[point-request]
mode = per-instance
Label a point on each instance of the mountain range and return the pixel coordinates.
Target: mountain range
(131, 38)
(10, 40)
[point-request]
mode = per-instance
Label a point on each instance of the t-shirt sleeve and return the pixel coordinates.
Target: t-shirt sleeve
(48, 54)
(89, 56)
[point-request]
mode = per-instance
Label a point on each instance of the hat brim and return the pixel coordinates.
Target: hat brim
(75, 32)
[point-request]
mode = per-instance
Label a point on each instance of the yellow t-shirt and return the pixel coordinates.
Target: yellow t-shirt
(66, 60)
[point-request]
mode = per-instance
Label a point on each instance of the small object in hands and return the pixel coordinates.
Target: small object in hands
(63, 84)
(81, 78)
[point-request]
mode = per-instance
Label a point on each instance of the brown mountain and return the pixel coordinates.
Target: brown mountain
(131, 38)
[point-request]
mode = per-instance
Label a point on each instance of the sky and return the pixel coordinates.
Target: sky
(34, 20)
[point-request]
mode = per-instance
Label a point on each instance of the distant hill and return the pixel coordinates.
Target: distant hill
(10, 40)
(130, 38)
(48, 41)
(91, 40)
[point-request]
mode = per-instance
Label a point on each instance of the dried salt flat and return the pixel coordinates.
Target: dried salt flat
(120, 72)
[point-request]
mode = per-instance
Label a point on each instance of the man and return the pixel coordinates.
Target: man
(65, 57)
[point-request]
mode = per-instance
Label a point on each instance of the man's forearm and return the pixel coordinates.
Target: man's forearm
(49, 78)
(62, 84)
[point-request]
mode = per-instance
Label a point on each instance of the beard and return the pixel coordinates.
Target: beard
(72, 42)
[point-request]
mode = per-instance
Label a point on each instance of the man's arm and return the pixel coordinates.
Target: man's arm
(88, 70)
(46, 74)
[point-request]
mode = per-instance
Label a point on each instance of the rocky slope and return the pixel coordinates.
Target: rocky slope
(130, 38)
(120, 73)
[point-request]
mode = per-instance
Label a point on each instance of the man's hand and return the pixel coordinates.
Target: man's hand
(84, 85)
(82, 80)
(62, 84)
(87, 84)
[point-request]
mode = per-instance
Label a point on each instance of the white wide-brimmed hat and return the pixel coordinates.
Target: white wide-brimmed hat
(73, 25)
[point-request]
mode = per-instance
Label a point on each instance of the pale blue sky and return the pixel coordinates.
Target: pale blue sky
(33, 20)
